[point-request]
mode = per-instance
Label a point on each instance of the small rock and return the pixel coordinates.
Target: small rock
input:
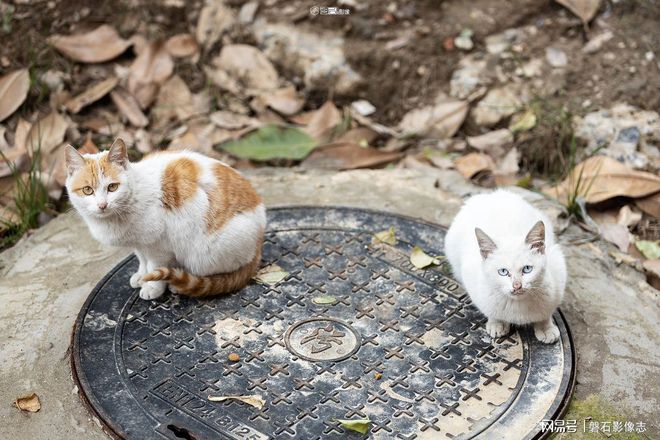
(532, 68)
(498, 104)
(556, 57)
(464, 40)
(498, 43)
(441, 120)
(622, 132)
(53, 79)
(596, 43)
(648, 56)
(492, 143)
(318, 57)
(468, 77)
(363, 107)
(248, 12)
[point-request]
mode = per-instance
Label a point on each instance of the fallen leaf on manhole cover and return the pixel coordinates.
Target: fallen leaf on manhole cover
(358, 425)
(324, 299)
(271, 275)
(29, 403)
(254, 400)
(421, 259)
(388, 236)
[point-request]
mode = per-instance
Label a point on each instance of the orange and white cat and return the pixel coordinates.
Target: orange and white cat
(194, 222)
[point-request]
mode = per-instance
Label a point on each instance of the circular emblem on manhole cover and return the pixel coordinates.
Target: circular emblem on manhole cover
(322, 339)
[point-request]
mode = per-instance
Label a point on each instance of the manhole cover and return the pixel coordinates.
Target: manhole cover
(354, 331)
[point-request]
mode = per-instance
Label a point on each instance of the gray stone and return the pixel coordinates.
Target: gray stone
(498, 104)
(318, 57)
(468, 77)
(556, 57)
(45, 279)
(622, 132)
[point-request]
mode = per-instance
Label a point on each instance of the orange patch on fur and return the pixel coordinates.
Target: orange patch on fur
(89, 175)
(232, 195)
(179, 182)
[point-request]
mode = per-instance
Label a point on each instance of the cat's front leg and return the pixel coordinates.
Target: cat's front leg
(546, 331)
(136, 278)
(497, 328)
(154, 289)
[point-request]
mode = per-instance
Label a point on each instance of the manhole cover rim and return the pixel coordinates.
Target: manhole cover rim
(555, 410)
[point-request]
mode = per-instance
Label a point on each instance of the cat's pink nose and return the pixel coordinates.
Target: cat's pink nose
(517, 285)
(103, 205)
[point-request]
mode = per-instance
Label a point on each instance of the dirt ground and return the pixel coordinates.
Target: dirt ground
(395, 81)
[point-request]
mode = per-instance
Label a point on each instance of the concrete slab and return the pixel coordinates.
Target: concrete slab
(45, 279)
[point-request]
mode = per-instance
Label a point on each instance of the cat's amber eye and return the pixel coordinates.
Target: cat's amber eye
(503, 272)
(88, 190)
(113, 187)
(527, 269)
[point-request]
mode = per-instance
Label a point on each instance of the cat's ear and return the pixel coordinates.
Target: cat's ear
(118, 154)
(74, 160)
(486, 244)
(536, 237)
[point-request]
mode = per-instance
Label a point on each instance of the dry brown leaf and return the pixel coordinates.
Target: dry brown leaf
(248, 65)
(21, 134)
(492, 143)
(101, 44)
(508, 165)
(606, 178)
(151, 68)
(232, 121)
(174, 102)
(284, 100)
(650, 205)
(627, 217)
(473, 163)
(197, 138)
(54, 173)
(254, 400)
(323, 121)
(129, 107)
(214, 19)
(14, 88)
(47, 133)
(441, 120)
(3, 140)
(362, 136)
(92, 94)
(182, 46)
(615, 234)
(89, 147)
(348, 156)
(584, 9)
(29, 403)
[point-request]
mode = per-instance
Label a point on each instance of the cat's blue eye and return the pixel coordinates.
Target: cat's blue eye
(527, 269)
(503, 272)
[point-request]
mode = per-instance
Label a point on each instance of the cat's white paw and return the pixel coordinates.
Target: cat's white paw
(152, 289)
(173, 289)
(136, 280)
(548, 334)
(497, 329)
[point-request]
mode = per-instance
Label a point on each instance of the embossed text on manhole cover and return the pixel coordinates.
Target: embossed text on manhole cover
(353, 331)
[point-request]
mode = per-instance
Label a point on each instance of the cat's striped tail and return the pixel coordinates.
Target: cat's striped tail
(196, 286)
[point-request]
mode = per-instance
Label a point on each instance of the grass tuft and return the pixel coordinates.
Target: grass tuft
(30, 200)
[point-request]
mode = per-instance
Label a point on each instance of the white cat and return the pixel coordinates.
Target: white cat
(503, 251)
(193, 221)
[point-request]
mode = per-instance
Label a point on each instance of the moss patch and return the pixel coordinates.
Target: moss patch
(595, 409)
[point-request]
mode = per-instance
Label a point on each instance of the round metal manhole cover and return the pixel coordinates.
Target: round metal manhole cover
(353, 331)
